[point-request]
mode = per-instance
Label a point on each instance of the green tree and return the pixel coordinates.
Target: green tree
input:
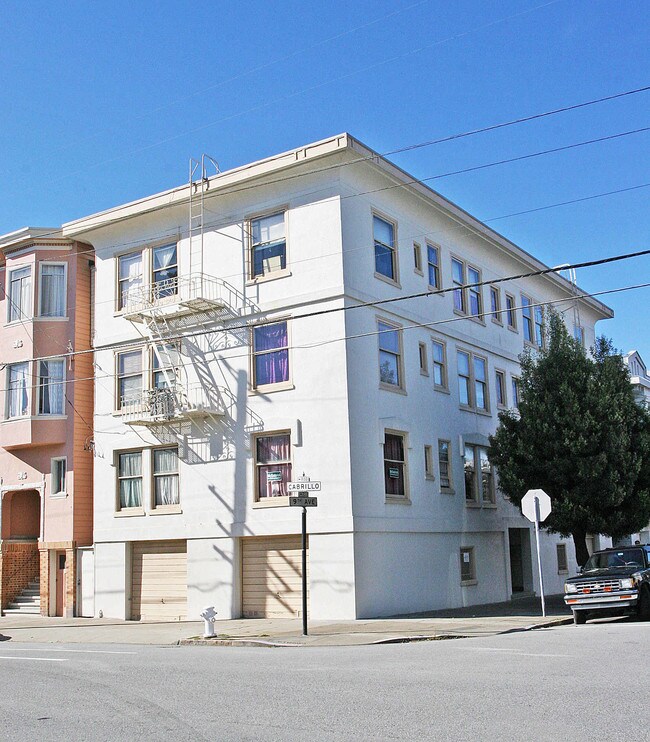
(580, 437)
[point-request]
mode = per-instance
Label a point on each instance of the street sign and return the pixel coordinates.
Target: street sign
(303, 486)
(303, 502)
(528, 505)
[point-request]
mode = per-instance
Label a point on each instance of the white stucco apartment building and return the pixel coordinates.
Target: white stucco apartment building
(241, 341)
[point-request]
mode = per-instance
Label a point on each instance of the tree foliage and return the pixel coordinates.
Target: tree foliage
(580, 437)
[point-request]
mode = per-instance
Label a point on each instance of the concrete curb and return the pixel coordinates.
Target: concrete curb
(252, 642)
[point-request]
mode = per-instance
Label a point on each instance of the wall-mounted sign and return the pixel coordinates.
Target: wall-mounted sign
(393, 473)
(273, 476)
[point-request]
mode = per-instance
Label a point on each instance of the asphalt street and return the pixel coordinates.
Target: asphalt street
(579, 683)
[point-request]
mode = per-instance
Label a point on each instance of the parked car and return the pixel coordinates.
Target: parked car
(612, 582)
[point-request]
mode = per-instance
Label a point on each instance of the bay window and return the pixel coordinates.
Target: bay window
(479, 476)
(20, 294)
(52, 290)
(51, 388)
(17, 390)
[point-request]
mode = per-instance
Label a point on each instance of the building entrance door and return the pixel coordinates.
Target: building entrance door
(521, 575)
(60, 583)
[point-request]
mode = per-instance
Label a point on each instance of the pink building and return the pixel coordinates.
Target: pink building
(46, 416)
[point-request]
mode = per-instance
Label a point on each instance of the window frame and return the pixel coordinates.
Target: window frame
(417, 258)
(511, 312)
(400, 387)
(41, 265)
(527, 319)
(473, 381)
(515, 387)
(273, 500)
(442, 365)
(170, 507)
(539, 326)
(459, 289)
(133, 509)
(449, 477)
(58, 461)
(11, 304)
(579, 334)
(495, 305)
(173, 289)
(563, 562)
(119, 299)
(475, 292)
(471, 579)
(119, 407)
(500, 374)
(435, 265)
(40, 387)
(393, 249)
(423, 358)
(251, 245)
(29, 388)
(429, 472)
(276, 385)
(480, 497)
(396, 498)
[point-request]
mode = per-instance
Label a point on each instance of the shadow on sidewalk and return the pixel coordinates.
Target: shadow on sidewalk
(528, 606)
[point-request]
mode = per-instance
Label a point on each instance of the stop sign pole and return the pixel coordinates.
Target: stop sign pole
(536, 506)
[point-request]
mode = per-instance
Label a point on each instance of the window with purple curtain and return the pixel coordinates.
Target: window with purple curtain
(394, 461)
(270, 354)
(273, 465)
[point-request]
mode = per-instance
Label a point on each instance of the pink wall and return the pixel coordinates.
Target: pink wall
(21, 514)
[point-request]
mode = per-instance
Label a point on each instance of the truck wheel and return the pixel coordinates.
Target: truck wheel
(644, 604)
(579, 617)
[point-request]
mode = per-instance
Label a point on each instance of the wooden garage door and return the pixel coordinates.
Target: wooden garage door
(272, 577)
(159, 581)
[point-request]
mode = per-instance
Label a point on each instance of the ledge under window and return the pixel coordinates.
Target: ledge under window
(272, 502)
(263, 278)
(129, 512)
(468, 583)
(166, 510)
(397, 500)
(282, 386)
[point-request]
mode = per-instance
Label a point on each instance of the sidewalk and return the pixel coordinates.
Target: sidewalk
(487, 620)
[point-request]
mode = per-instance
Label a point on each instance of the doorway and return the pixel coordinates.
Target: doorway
(521, 568)
(60, 583)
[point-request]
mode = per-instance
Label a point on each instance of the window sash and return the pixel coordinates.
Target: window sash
(58, 476)
(51, 388)
(390, 355)
(495, 304)
(18, 390)
(433, 262)
(130, 479)
(384, 240)
(273, 465)
(526, 313)
(475, 298)
(20, 294)
(471, 479)
(539, 326)
(424, 361)
(165, 476)
(428, 461)
(500, 388)
(268, 244)
(444, 464)
(515, 392)
(52, 290)
(439, 365)
(129, 378)
(270, 354)
(466, 565)
(458, 279)
(394, 465)
(487, 478)
(417, 257)
(130, 278)
(164, 271)
(562, 563)
(510, 312)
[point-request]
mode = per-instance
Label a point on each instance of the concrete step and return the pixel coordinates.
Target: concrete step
(31, 611)
(27, 600)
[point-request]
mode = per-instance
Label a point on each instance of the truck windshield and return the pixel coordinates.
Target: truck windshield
(618, 558)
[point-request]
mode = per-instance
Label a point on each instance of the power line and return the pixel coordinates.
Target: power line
(360, 305)
(371, 333)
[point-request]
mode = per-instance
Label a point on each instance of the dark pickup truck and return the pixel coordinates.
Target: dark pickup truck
(613, 581)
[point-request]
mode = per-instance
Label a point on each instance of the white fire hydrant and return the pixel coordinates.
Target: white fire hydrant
(209, 616)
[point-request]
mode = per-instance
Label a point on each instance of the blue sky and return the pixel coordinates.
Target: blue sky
(103, 103)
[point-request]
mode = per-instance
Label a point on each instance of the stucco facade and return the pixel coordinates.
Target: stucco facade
(287, 361)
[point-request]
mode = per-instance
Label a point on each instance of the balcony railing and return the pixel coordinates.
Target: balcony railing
(175, 297)
(173, 404)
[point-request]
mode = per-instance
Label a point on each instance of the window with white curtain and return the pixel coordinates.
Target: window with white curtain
(52, 290)
(165, 271)
(129, 474)
(51, 388)
(20, 294)
(165, 477)
(17, 390)
(129, 279)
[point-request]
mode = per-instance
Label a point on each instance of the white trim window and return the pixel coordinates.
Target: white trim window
(495, 305)
(440, 380)
(130, 278)
(390, 355)
(383, 233)
(129, 479)
(444, 465)
(268, 252)
(272, 465)
(395, 482)
(129, 379)
(164, 271)
(58, 467)
(479, 476)
(433, 265)
(17, 390)
(458, 282)
(475, 295)
(467, 566)
(472, 381)
(271, 354)
(52, 289)
(166, 489)
(51, 387)
(20, 294)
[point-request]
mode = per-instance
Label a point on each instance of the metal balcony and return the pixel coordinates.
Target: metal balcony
(168, 405)
(175, 297)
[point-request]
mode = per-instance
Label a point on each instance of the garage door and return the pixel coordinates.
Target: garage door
(272, 577)
(159, 581)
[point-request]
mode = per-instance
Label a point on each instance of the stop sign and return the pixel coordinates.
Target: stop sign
(528, 505)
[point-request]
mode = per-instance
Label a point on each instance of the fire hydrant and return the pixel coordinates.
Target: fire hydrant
(209, 616)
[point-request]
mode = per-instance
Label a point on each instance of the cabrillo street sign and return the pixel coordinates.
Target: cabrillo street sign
(303, 502)
(303, 486)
